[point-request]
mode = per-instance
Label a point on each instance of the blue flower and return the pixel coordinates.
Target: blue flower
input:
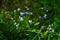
(30, 13)
(21, 18)
(40, 16)
(45, 16)
(22, 13)
(26, 12)
(26, 8)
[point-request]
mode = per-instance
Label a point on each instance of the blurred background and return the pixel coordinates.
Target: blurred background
(29, 19)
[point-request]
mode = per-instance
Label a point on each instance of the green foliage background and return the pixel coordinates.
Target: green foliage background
(26, 31)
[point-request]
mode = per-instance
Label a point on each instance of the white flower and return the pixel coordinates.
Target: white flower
(19, 9)
(51, 29)
(30, 21)
(26, 12)
(22, 13)
(21, 18)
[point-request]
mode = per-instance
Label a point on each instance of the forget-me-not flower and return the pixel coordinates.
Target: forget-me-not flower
(22, 13)
(21, 18)
(30, 13)
(26, 8)
(45, 16)
(26, 12)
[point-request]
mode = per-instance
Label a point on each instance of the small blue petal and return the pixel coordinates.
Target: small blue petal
(45, 16)
(22, 13)
(21, 18)
(40, 17)
(26, 8)
(30, 13)
(26, 12)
